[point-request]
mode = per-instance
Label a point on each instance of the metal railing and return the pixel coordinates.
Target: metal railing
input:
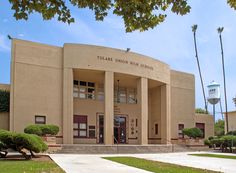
(117, 147)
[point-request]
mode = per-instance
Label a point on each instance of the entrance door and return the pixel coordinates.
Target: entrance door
(101, 129)
(119, 129)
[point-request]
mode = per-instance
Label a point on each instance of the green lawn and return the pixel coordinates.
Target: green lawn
(155, 166)
(215, 155)
(21, 166)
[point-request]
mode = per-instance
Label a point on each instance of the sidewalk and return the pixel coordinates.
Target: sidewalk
(74, 163)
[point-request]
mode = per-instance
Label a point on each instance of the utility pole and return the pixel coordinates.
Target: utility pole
(220, 30)
(194, 28)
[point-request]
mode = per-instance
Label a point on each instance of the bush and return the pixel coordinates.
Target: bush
(193, 132)
(6, 138)
(49, 129)
(21, 141)
(42, 130)
(207, 142)
(210, 138)
(201, 111)
(33, 129)
(232, 133)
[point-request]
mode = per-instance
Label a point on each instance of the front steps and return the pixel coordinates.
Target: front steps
(124, 149)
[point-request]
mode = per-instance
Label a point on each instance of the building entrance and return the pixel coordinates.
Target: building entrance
(119, 129)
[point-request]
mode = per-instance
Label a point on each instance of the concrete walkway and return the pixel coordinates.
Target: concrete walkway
(73, 163)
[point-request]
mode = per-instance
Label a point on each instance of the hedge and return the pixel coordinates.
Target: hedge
(19, 142)
(224, 142)
(193, 132)
(232, 133)
(4, 101)
(42, 130)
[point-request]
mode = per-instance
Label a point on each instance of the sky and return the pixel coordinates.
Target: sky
(170, 42)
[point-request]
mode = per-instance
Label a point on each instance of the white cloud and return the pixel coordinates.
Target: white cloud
(21, 35)
(4, 44)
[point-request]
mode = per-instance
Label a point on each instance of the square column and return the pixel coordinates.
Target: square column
(142, 96)
(109, 108)
(67, 106)
(165, 114)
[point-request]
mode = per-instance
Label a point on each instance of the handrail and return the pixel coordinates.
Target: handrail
(117, 149)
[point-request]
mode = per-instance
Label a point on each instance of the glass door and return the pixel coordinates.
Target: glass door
(119, 130)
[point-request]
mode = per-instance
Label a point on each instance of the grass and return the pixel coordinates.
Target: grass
(215, 156)
(155, 166)
(20, 166)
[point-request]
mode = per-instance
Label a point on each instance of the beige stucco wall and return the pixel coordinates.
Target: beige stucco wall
(36, 84)
(42, 84)
(231, 121)
(182, 101)
(208, 120)
(120, 61)
(4, 120)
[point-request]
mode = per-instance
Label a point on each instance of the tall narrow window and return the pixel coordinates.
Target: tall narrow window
(180, 128)
(156, 129)
(132, 96)
(100, 92)
(80, 126)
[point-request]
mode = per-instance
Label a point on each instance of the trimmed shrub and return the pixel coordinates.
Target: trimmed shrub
(6, 138)
(33, 129)
(193, 132)
(207, 142)
(210, 138)
(49, 129)
(232, 133)
(42, 130)
(21, 141)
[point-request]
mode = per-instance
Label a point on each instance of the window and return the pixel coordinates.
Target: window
(132, 96)
(180, 132)
(84, 90)
(201, 126)
(100, 92)
(80, 126)
(39, 119)
(92, 132)
(124, 95)
(156, 129)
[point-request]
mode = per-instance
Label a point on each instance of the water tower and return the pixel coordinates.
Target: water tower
(213, 95)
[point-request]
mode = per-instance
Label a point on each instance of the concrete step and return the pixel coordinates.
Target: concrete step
(126, 149)
(114, 149)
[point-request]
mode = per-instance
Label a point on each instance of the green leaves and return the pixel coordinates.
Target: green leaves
(232, 3)
(138, 15)
(4, 101)
(47, 8)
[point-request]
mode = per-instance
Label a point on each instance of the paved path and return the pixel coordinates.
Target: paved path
(215, 164)
(74, 163)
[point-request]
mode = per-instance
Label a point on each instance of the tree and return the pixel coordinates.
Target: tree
(220, 128)
(137, 14)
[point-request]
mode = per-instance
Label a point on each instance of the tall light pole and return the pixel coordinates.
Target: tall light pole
(194, 28)
(220, 30)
